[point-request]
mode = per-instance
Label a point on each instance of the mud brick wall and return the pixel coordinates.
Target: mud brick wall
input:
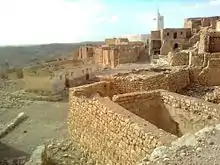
(112, 134)
(174, 81)
(193, 108)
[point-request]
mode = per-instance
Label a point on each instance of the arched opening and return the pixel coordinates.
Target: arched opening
(175, 35)
(175, 46)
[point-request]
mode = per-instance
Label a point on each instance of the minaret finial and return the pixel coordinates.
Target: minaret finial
(158, 12)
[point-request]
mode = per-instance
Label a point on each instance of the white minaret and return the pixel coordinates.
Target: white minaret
(160, 21)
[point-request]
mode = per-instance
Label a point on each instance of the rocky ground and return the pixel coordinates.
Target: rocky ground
(210, 94)
(7, 101)
(201, 148)
(66, 151)
(46, 120)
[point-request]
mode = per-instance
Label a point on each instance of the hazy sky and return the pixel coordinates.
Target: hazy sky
(49, 21)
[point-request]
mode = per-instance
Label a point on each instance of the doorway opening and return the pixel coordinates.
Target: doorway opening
(175, 46)
(87, 76)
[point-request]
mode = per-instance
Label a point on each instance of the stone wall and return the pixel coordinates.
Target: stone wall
(194, 74)
(175, 33)
(102, 88)
(169, 111)
(166, 47)
(128, 55)
(112, 134)
(218, 26)
(196, 59)
(155, 35)
(209, 42)
(174, 81)
(36, 82)
(85, 52)
(208, 56)
(178, 58)
(195, 112)
(148, 106)
(209, 76)
(116, 41)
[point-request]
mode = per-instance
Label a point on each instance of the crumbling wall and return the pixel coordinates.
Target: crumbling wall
(148, 106)
(194, 74)
(209, 76)
(128, 55)
(209, 42)
(178, 58)
(218, 26)
(112, 134)
(166, 47)
(173, 81)
(195, 111)
(195, 59)
(102, 88)
(208, 56)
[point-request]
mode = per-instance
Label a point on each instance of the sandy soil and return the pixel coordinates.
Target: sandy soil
(46, 120)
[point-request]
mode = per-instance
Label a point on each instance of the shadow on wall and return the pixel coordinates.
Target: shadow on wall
(155, 112)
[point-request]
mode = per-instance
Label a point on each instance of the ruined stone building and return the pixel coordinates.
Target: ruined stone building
(218, 25)
(209, 42)
(115, 51)
(166, 40)
(52, 78)
(116, 41)
(85, 52)
(111, 56)
(196, 23)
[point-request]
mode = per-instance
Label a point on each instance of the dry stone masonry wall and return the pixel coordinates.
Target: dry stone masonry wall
(174, 81)
(193, 110)
(120, 120)
(112, 134)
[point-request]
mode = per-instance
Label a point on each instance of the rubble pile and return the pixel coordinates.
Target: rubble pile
(210, 94)
(9, 100)
(199, 148)
(66, 151)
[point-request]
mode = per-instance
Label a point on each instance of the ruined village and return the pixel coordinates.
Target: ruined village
(124, 102)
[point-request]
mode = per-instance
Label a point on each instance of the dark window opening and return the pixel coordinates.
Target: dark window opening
(168, 34)
(87, 76)
(175, 46)
(181, 33)
(175, 35)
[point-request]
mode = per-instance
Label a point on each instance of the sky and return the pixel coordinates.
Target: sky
(67, 21)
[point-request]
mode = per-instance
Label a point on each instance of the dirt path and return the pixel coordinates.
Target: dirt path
(46, 120)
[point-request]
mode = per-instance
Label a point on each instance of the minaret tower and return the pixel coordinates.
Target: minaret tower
(160, 21)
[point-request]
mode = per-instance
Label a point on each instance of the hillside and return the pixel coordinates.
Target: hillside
(23, 55)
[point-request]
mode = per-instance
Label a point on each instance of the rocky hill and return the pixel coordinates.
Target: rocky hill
(23, 55)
